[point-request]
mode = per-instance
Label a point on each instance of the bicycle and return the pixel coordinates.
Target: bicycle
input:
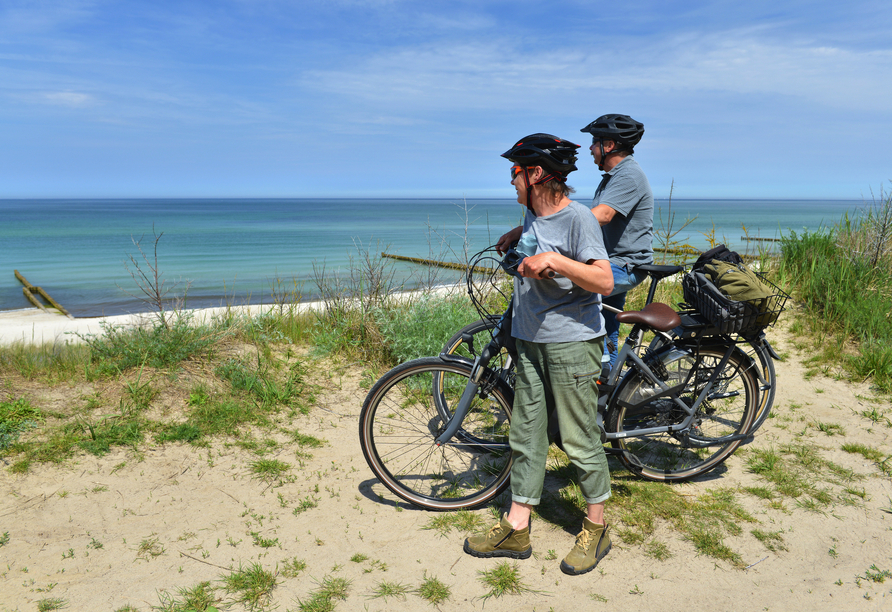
(755, 345)
(435, 430)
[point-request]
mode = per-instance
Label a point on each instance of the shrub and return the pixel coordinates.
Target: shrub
(158, 346)
(420, 328)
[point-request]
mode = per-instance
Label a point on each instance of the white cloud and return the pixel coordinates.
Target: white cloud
(69, 98)
(821, 75)
(475, 75)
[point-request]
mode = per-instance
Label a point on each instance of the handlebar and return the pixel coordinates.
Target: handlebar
(512, 260)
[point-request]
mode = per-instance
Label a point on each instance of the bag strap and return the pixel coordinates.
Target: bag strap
(720, 252)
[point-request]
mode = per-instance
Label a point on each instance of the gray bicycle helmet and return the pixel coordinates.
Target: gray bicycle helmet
(621, 129)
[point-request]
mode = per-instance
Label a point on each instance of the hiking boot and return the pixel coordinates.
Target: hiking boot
(503, 540)
(592, 545)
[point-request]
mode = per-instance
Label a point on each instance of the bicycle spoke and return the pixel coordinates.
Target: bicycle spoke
(678, 456)
(404, 414)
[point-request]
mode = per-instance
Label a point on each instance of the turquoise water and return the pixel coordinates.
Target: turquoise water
(238, 251)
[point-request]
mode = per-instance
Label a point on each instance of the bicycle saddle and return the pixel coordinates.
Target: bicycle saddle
(658, 271)
(656, 315)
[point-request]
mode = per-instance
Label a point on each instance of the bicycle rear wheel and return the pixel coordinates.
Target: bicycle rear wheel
(481, 332)
(405, 412)
(728, 409)
(759, 351)
(762, 365)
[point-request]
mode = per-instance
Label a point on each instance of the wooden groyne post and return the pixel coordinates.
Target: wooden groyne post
(29, 290)
(433, 262)
(456, 266)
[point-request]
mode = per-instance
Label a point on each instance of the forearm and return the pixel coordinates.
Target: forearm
(594, 275)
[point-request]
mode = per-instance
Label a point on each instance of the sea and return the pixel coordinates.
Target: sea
(94, 256)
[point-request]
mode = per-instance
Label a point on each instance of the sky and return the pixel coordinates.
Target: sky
(400, 98)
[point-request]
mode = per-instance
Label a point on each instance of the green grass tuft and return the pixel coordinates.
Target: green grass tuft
(200, 598)
(433, 590)
(16, 417)
(251, 586)
(323, 598)
(503, 579)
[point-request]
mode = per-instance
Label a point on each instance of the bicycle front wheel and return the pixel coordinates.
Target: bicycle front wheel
(405, 412)
(728, 409)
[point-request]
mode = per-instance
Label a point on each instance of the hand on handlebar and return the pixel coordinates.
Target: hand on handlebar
(530, 269)
(515, 264)
(508, 239)
(537, 266)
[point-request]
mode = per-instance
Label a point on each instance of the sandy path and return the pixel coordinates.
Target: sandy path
(75, 532)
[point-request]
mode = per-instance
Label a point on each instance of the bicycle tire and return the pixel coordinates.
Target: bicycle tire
(406, 410)
(666, 456)
(765, 362)
(456, 346)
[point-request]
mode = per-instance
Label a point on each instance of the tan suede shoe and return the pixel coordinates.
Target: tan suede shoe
(592, 545)
(503, 540)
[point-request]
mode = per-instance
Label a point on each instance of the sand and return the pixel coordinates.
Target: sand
(35, 326)
(101, 533)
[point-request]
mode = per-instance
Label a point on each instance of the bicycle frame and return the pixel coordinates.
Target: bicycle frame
(629, 354)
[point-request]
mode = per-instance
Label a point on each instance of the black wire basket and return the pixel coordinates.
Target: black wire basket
(730, 316)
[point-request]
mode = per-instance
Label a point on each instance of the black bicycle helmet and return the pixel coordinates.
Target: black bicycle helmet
(622, 129)
(556, 155)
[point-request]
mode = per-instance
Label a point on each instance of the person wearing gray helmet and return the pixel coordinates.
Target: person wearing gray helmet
(624, 207)
(559, 333)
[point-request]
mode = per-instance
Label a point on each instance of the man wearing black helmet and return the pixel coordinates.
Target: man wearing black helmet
(559, 333)
(624, 207)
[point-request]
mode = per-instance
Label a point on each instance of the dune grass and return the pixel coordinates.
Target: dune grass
(842, 277)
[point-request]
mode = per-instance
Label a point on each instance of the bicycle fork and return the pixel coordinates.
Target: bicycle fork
(474, 383)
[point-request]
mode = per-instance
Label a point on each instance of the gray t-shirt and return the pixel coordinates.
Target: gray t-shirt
(629, 235)
(555, 309)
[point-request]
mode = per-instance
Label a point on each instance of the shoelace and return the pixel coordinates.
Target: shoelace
(493, 530)
(584, 535)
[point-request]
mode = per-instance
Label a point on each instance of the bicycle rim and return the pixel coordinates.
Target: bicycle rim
(762, 364)
(727, 410)
(404, 413)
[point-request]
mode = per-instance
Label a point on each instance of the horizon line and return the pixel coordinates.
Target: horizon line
(507, 198)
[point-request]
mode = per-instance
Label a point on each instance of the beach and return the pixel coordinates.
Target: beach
(133, 527)
(36, 326)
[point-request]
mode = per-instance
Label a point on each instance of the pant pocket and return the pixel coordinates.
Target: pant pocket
(586, 379)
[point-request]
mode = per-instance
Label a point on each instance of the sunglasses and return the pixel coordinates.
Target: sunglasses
(515, 170)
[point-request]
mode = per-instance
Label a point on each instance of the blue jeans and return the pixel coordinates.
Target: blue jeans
(623, 281)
